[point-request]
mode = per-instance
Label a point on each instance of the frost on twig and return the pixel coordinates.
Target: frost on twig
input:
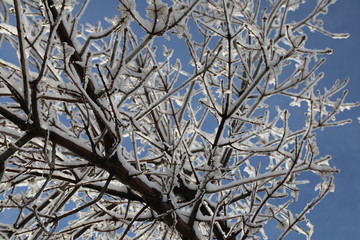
(160, 122)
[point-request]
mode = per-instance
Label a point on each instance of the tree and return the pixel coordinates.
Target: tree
(112, 130)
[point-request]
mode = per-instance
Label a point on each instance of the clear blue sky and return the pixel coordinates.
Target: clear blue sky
(337, 216)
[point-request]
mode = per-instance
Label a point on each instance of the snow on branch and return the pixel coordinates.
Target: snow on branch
(172, 119)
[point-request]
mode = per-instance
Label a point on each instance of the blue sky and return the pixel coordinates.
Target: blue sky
(337, 216)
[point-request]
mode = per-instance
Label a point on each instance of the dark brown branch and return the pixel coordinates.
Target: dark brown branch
(11, 150)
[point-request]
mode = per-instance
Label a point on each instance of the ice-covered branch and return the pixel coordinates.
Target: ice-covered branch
(179, 119)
